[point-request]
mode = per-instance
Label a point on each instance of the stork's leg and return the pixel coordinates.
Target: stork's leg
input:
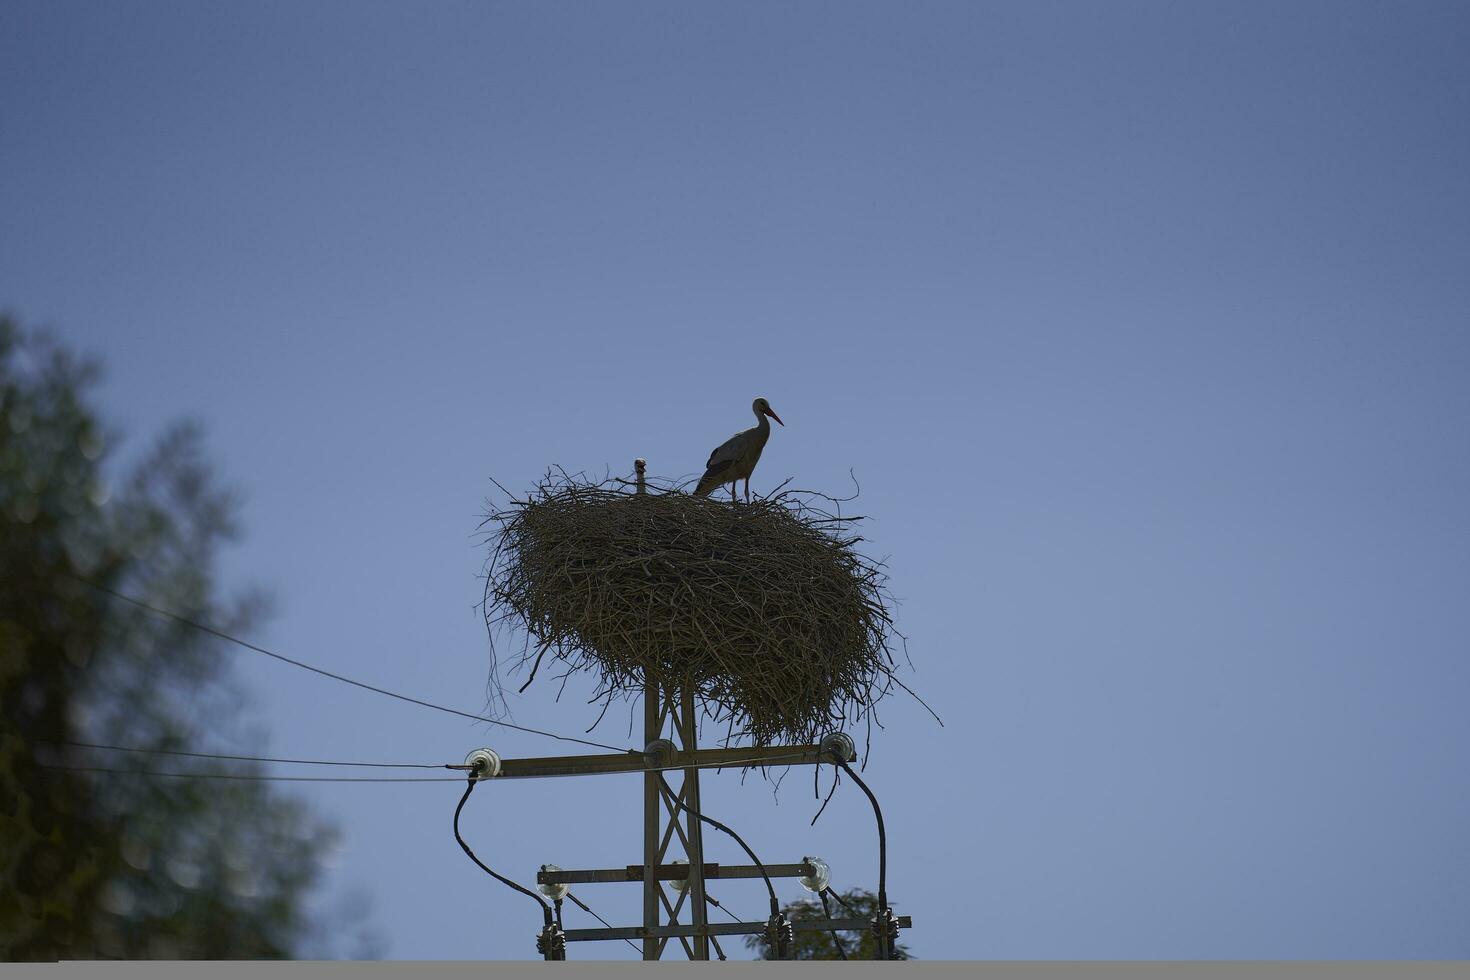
(747, 489)
(733, 484)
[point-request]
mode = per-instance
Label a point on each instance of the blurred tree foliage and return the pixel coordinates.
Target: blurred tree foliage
(855, 903)
(133, 866)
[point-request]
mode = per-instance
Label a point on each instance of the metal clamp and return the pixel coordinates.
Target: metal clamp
(779, 935)
(884, 926)
(551, 942)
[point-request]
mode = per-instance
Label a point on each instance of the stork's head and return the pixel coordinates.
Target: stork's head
(762, 407)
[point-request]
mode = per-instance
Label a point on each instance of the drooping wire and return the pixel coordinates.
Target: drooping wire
(885, 945)
(247, 758)
(470, 788)
(882, 835)
(775, 905)
(202, 627)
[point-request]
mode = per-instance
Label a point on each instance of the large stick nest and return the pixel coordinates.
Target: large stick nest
(766, 610)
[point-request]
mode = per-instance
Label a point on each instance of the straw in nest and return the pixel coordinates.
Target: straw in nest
(766, 611)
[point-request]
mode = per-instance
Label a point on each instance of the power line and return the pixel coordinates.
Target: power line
(202, 627)
(724, 764)
(263, 779)
(347, 779)
(250, 758)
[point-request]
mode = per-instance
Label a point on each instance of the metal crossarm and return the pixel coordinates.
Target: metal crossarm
(723, 929)
(607, 763)
(670, 872)
(672, 820)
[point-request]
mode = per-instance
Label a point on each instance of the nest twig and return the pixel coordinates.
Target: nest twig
(767, 610)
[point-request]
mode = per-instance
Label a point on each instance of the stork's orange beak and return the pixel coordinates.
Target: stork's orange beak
(775, 416)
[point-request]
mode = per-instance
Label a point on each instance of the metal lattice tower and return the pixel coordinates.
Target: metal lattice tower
(671, 827)
(662, 826)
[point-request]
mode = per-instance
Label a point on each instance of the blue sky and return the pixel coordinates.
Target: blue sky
(1143, 326)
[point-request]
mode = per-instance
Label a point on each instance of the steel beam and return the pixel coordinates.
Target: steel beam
(670, 872)
(593, 765)
(698, 910)
(653, 723)
(723, 929)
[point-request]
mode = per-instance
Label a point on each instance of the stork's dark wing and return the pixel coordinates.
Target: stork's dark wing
(714, 473)
(725, 453)
(713, 469)
(721, 461)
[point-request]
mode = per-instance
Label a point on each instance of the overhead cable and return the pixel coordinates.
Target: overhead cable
(247, 758)
(205, 628)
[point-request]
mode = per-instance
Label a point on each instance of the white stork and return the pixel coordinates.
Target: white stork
(736, 457)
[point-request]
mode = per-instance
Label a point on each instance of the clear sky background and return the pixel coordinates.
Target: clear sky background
(1144, 326)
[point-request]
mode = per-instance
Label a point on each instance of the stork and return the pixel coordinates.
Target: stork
(736, 457)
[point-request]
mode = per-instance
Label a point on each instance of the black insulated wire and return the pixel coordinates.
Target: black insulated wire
(775, 906)
(827, 911)
(885, 941)
(882, 835)
(545, 909)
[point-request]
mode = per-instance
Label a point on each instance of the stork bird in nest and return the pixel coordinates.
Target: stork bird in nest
(736, 457)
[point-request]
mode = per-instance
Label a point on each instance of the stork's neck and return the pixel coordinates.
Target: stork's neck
(762, 425)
